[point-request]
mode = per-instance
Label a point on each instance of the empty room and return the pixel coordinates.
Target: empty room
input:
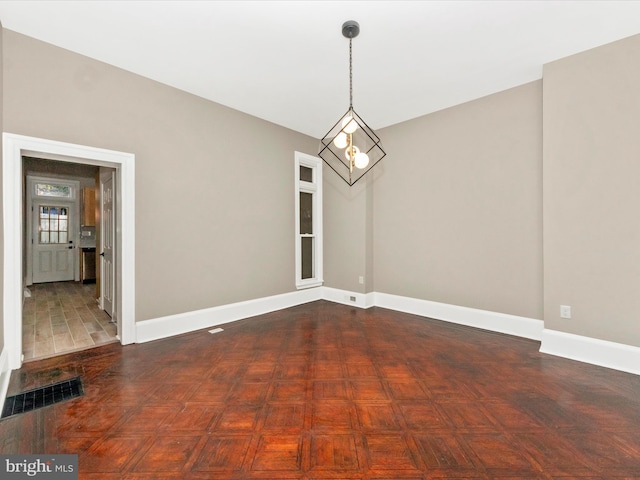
(348, 240)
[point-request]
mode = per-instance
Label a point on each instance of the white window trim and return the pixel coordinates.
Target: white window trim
(314, 187)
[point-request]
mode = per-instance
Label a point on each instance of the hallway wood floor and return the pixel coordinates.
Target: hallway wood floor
(325, 391)
(62, 317)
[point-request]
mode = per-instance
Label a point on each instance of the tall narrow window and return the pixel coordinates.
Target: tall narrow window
(308, 200)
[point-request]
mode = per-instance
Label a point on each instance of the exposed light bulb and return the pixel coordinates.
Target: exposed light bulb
(351, 153)
(361, 160)
(341, 140)
(349, 125)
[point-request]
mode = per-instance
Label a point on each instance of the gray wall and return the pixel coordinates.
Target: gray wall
(591, 192)
(214, 187)
(347, 240)
(457, 214)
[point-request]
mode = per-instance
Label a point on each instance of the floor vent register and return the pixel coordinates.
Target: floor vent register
(42, 397)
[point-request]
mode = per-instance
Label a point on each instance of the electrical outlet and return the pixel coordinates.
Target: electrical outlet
(565, 311)
(361, 280)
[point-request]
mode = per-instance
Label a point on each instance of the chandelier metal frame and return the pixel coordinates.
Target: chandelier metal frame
(351, 148)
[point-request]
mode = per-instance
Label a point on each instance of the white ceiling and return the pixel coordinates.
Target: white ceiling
(287, 61)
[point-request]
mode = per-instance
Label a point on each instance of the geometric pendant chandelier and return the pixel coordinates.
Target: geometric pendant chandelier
(351, 148)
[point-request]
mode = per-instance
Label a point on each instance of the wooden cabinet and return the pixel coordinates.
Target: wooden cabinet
(89, 207)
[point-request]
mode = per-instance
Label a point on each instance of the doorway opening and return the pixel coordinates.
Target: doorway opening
(64, 309)
(15, 147)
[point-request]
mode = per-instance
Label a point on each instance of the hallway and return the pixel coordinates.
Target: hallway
(63, 317)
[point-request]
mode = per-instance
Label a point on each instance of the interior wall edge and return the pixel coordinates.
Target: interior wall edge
(346, 297)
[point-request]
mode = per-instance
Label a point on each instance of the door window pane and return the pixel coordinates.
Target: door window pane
(53, 224)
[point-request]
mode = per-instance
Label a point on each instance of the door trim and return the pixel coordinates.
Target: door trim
(14, 148)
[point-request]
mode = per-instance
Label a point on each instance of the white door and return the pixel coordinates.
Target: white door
(108, 237)
(53, 250)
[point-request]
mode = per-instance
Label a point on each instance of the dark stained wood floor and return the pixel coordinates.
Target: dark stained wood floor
(325, 391)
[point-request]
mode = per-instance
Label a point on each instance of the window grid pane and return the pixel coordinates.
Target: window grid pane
(307, 257)
(306, 213)
(306, 174)
(53, 225)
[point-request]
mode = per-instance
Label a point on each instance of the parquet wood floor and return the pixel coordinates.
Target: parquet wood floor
(325, 391)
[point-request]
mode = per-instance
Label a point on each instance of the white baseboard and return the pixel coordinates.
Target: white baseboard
(168, 326)
(584, 349)
(163, 327)
(5, 374)
(590, 350)
(496, 322)
(361, 300)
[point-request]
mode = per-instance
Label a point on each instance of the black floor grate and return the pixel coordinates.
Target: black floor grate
(42, 397)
